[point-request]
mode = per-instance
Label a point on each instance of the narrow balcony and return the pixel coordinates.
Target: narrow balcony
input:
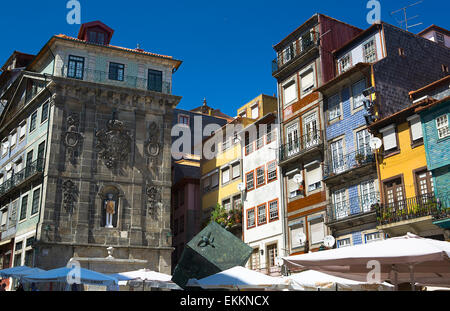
(297, 148)
(23, 177)
(415, 214)
(104, 77)
(355, 211)
(296, 51)
(441, 215)
(349, 166)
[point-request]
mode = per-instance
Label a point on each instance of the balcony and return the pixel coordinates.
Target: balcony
(22, 177)
(296, 51)
(441, 215)
(349, 166)
(356, 211)
(416, 214)
(299, 147)
(125, 81)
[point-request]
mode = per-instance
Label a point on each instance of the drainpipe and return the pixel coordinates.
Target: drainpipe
(282, 188)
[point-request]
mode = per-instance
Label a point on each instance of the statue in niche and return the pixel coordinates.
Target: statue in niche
(110, 209)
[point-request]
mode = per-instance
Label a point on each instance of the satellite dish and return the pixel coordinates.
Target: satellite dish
(375, 143)
(329, 241)
(279, 261)
(298, 179)
(301, 237)
(241, 187)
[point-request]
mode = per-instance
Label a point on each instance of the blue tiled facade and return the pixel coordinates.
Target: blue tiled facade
(351, 121)
(437, 150)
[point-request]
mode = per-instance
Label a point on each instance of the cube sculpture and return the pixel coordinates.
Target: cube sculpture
(211, 251)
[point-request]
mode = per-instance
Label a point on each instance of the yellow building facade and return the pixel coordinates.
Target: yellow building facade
(222, 175)
(406, 184)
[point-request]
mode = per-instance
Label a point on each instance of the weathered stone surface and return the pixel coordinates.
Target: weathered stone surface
(79, 231)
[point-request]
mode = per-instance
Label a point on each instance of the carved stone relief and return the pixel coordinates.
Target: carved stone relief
(114, 143)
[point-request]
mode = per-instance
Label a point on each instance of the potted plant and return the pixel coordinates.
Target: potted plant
(360, 158)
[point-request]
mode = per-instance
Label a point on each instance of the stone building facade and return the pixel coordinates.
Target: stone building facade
(108, 152)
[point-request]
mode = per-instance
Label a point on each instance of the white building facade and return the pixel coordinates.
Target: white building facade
(263, 212)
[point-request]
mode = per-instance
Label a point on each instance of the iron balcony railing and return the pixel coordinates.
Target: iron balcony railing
(18, 178)
(354, 206)
(342, 163)
(119, 80)
(301, 145)
(443, 206)
(296, 49)
(411, 208)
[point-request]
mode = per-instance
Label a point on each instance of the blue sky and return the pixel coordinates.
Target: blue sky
(225, 46)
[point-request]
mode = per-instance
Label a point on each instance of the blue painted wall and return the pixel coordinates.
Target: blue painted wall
(437, 150)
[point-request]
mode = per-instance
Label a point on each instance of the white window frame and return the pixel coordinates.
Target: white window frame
(254, 108)
(226, 175)
(334, 111)
(341, 208)
(23, 130)
(416, 128)
(318, 221)
(371, 53)
(13, 139)
(288, 84)
(233, 166)
(349, 240)
(344, 63)
(380, 237)
(389, 133)
(308, 88)
(272, 171)
(442, 127)
(358, 99)
(316, 168)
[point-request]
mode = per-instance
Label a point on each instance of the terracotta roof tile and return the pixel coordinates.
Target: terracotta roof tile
(113, 46)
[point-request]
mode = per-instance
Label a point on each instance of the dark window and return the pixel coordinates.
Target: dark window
(181, 196)
(76, 67)
(116, 71)
(29, 258)
(28, 168)
(19, 246)
(17, 260)
(175, 227)
(40, 156)
(33, 121)
(41, 150)
(30, 242)
(35, 204)
(44, 115)
(23, 208)
(154, 80)
(182, 224)
(97, 37)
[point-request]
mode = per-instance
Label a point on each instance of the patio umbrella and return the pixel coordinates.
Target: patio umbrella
(10, 272)
(314, 280)
(406, 259)
(60, 275)
(146, 276)
(240, 278)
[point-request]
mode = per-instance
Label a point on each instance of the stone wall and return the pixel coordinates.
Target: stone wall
(82, 166)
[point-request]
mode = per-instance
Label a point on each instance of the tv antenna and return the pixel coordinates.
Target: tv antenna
(401, 22)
